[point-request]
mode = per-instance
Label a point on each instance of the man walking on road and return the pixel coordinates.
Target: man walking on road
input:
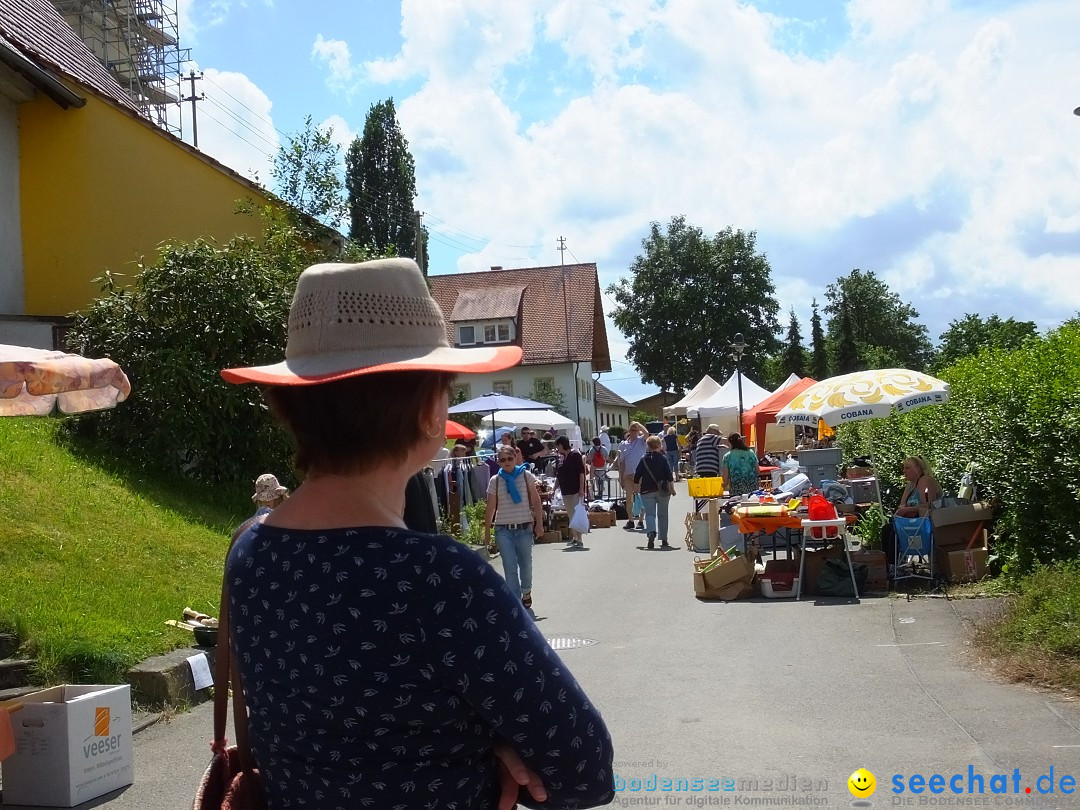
(632, 450)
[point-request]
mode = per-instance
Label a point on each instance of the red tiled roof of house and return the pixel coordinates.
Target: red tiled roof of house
(35, 29)
(552, 297)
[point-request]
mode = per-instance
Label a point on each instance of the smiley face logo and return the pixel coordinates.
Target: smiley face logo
(862, 784)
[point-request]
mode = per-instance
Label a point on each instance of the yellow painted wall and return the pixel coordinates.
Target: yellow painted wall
(99, 189)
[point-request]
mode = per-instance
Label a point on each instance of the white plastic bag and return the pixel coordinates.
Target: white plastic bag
(579, 521)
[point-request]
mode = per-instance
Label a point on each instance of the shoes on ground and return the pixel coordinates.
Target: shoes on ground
(629, 524)
(665, 544)
(641, 524)
(652, 538)
(526, 599)
(578, 544)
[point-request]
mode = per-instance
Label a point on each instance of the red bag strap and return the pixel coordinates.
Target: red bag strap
(224, 678)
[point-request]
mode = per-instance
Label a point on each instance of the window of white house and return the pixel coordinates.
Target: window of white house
(503, 387)
(460, 391)
(466, 335)
(493, 332)
(620, 420)
(544, 385)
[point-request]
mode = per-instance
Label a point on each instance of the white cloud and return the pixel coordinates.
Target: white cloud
(935, 145)
(341, 133)
(334, 54)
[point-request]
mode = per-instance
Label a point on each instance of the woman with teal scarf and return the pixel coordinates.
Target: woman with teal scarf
(515, 513)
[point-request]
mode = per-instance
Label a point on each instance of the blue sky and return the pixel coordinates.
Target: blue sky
(931, 141)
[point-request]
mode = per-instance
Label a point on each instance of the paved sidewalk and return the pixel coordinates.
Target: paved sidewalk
(757, 691)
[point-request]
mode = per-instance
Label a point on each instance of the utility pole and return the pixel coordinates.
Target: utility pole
(191, 77)
(562, 250)
(418, 222)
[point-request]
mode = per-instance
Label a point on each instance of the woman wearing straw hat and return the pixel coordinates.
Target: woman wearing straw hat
(382, 666)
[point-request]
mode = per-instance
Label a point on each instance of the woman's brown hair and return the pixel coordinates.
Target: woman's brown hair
(357, 424)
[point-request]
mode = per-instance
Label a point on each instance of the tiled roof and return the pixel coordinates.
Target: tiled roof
(35, 29)
(489, 302)
(553, 296)
(608, 397)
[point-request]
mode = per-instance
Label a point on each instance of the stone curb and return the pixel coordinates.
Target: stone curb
(167, 679)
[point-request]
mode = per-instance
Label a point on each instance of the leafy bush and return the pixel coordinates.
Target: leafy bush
(198, 308)
(1016, 413)
(473, 534)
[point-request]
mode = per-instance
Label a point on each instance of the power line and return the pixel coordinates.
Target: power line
(246, 107)
(238, 119)
(467, 235)
(238, 135)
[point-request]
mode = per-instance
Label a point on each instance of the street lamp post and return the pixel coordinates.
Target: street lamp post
(738, 346)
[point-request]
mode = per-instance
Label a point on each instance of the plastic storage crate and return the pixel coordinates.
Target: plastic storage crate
(779, 580)
(705, 487)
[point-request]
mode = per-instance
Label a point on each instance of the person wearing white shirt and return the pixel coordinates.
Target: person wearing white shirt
(632, 450)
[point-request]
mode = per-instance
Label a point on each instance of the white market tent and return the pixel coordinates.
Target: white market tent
(540, 420)
(722, 408)
(791, 380)
(705, 388)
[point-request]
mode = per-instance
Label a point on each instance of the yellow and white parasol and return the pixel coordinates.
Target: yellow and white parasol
(863, 395)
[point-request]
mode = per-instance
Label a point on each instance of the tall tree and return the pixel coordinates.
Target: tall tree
(971, 333)
(686, 298)
(307, 174)
(819, 353)
(847, 357)
(884, 328)
(380, 175)
(794, 358)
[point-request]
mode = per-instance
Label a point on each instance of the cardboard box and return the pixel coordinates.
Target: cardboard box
(859, 472)
(815, 559)
(72, 744)
(966, 565)
(729, 593)
(877, 579)
(723, 573)
(601, 520)
(955, 525)
(554, 536)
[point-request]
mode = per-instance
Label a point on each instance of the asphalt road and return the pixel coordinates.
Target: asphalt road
(785, 699)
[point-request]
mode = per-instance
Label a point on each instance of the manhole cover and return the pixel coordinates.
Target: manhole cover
(569, 642)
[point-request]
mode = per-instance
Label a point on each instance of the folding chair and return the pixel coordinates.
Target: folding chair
(914, 539)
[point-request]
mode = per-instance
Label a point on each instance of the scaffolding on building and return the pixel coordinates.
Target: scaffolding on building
(138, 42)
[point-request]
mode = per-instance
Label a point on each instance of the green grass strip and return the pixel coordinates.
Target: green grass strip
(93, 560)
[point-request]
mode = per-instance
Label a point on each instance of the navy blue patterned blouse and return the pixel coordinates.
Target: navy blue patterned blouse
(381, 665)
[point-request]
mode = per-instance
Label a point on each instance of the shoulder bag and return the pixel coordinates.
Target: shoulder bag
(667, 486)
(231, 781)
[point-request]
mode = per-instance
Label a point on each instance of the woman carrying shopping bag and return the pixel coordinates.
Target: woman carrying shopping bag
(653, 476)
(571, 478)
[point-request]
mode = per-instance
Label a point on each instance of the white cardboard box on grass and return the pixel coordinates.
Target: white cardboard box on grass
(72, 744)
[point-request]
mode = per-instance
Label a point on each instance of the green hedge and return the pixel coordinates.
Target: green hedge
(1017, 414)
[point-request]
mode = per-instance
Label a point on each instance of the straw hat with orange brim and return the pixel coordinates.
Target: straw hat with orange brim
(377, 316)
